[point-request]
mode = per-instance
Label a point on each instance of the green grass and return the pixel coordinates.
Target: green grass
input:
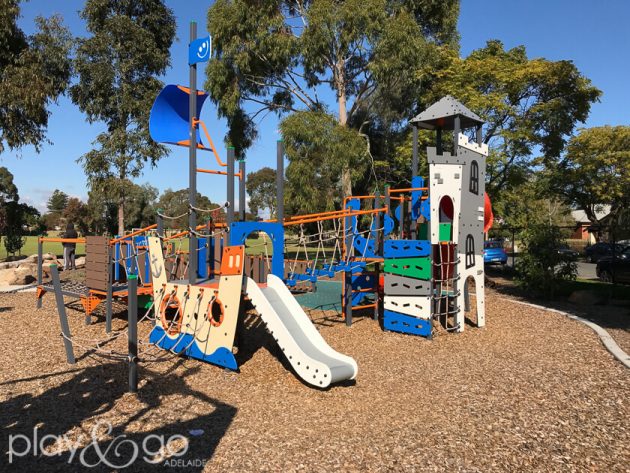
(603, 289)
(30, 248)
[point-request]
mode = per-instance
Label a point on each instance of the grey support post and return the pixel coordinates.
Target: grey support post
(132, 332)
(414, 172)
(63, 317)
(230, 185)
(110, 289)
(347, 280)
(192, 165)
(456, 129)
(40, 272)
(280, 181)
(377, 251)
(241, 190)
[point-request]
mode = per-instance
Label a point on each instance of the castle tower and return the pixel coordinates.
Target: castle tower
(457, 186)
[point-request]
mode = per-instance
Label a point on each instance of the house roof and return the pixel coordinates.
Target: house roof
(600, 212)
(442, 115)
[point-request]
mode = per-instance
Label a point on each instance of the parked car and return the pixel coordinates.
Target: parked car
(568, 252)
(619, 267)
(493, 252)
(597, 251)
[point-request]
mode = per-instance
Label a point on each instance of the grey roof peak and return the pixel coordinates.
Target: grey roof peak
(442, 115)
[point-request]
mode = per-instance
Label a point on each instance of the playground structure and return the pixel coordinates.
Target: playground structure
(404, 255)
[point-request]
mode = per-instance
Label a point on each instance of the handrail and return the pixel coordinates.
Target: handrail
(409, 189)
(222, 173)
(133, 234)
(348, 214)
(61, 240)
(196, 122)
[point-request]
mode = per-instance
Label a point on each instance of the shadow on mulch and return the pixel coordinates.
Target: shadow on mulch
(92, 393)
(604, 314)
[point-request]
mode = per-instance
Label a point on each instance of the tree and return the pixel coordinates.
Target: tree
(262, 190)
(595, 171)
(14, 238)
(102, 208)
(542, 268)
(76, 212)
(8, 192)
(117, 67)
(528, 105)
(175, 204)
(281, 56)
(34, 72)
(57, 202)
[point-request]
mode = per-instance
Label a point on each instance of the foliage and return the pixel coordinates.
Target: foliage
(57, 202)
(541, 268)
(8, 191)
(15, 221)
(282, 56)
(528, 105)
(595, 171)
(102, 208)
(531, 203)
(262, 190)
(34, 72)
(175, 204)
(117, 67)
(76, 212)
(318, 148)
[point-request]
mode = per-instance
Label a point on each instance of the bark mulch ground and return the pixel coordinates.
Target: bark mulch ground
(533, 391)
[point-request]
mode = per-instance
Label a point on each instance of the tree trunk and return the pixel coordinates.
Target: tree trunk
(340, 82)
(121, 215)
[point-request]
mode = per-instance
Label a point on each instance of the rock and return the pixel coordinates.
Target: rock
(24, 276)
(30, 259)
(80, 262)
(7, 277)
(9, 264)
(585, 297)
(48, 256)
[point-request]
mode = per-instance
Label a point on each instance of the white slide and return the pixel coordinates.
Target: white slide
(310, 356)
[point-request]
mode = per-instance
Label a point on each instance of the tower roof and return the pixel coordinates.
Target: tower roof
(442, 115)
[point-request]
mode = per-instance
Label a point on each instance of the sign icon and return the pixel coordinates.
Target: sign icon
(199, 50)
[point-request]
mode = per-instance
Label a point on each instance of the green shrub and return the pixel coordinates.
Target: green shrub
(541, 269)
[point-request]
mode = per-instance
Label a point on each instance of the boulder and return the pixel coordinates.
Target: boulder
(9, 264)
(48, 256)
(7, 277)
(80, 262)
(24, 275)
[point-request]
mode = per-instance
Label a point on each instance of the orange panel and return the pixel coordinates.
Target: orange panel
(232, 260)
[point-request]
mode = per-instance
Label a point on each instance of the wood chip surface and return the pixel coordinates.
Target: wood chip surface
(533, 391)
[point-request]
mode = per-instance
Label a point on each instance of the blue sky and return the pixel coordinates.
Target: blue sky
(594, 35)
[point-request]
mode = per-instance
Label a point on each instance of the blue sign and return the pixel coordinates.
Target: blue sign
(199, 50)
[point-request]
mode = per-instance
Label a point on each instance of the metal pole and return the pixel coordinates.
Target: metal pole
(241, 190)
(479, 135)
(456, 129)
(377, 252)
(414, 155)
(192, 164)
(388, 204)
(132, 332)
(40, 272)
(110, 289)
(160, 224)
(280, 181)
(438, 141)
(63, 318)
(513, 246)
(230, 185)
(347, 275)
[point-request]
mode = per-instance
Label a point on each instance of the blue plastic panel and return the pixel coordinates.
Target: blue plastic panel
(406, 248)
(240, 230)
(402, 323)
(168, 122)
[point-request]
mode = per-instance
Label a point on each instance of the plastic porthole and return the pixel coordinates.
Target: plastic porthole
(215, 313)
(171, 314)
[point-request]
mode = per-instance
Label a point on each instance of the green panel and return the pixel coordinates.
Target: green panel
(419, 268)
(445, 232)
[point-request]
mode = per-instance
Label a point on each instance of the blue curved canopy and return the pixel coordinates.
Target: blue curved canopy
(168, 122)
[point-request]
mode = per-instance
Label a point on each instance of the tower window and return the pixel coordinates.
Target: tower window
(470, 251)
(474, 177)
